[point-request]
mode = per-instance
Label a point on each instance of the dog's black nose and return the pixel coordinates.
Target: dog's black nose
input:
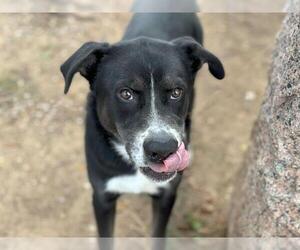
(159, 147)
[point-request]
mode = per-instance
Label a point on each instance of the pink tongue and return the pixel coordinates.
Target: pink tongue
(175, 162)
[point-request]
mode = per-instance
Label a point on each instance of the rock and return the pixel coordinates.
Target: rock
(266, 200)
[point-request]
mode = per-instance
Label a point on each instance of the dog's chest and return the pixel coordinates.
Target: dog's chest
(136, 184)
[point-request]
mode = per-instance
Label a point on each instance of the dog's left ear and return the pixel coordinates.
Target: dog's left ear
(84, 61)
(197, 56)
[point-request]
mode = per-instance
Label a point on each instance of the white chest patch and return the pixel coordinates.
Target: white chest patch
(135, 184)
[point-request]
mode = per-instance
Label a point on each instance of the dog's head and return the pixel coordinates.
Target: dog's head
(143, 89)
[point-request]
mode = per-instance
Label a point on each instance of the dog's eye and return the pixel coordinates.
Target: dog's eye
(126, 94)
(176, 93)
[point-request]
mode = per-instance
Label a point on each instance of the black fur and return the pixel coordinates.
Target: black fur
(170, 45)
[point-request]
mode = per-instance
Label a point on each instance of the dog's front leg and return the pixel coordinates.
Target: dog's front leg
(162, 206)
(105, 209)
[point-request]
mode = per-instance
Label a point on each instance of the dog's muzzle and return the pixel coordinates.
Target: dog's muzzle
(175, 162)
(164, 157)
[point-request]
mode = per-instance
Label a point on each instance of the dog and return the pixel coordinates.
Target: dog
(138, 121)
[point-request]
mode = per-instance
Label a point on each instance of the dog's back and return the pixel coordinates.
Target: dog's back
(159, 6)
(165, 26)
(162, 25)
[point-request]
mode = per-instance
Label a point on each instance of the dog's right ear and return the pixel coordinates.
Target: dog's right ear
(84, 61)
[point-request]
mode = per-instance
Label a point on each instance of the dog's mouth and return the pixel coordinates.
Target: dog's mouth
(157, 177)
(166, 170)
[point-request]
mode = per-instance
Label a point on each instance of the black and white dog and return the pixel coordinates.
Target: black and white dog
(139, 111)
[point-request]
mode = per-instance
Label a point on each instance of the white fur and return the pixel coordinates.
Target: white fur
(136, 184)
(121, 150)
(155, 125)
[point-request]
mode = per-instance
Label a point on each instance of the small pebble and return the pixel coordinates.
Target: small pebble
(86, 186)
(250, 96)
(92, 228)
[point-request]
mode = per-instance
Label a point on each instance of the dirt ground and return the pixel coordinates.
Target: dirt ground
(44, 189)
